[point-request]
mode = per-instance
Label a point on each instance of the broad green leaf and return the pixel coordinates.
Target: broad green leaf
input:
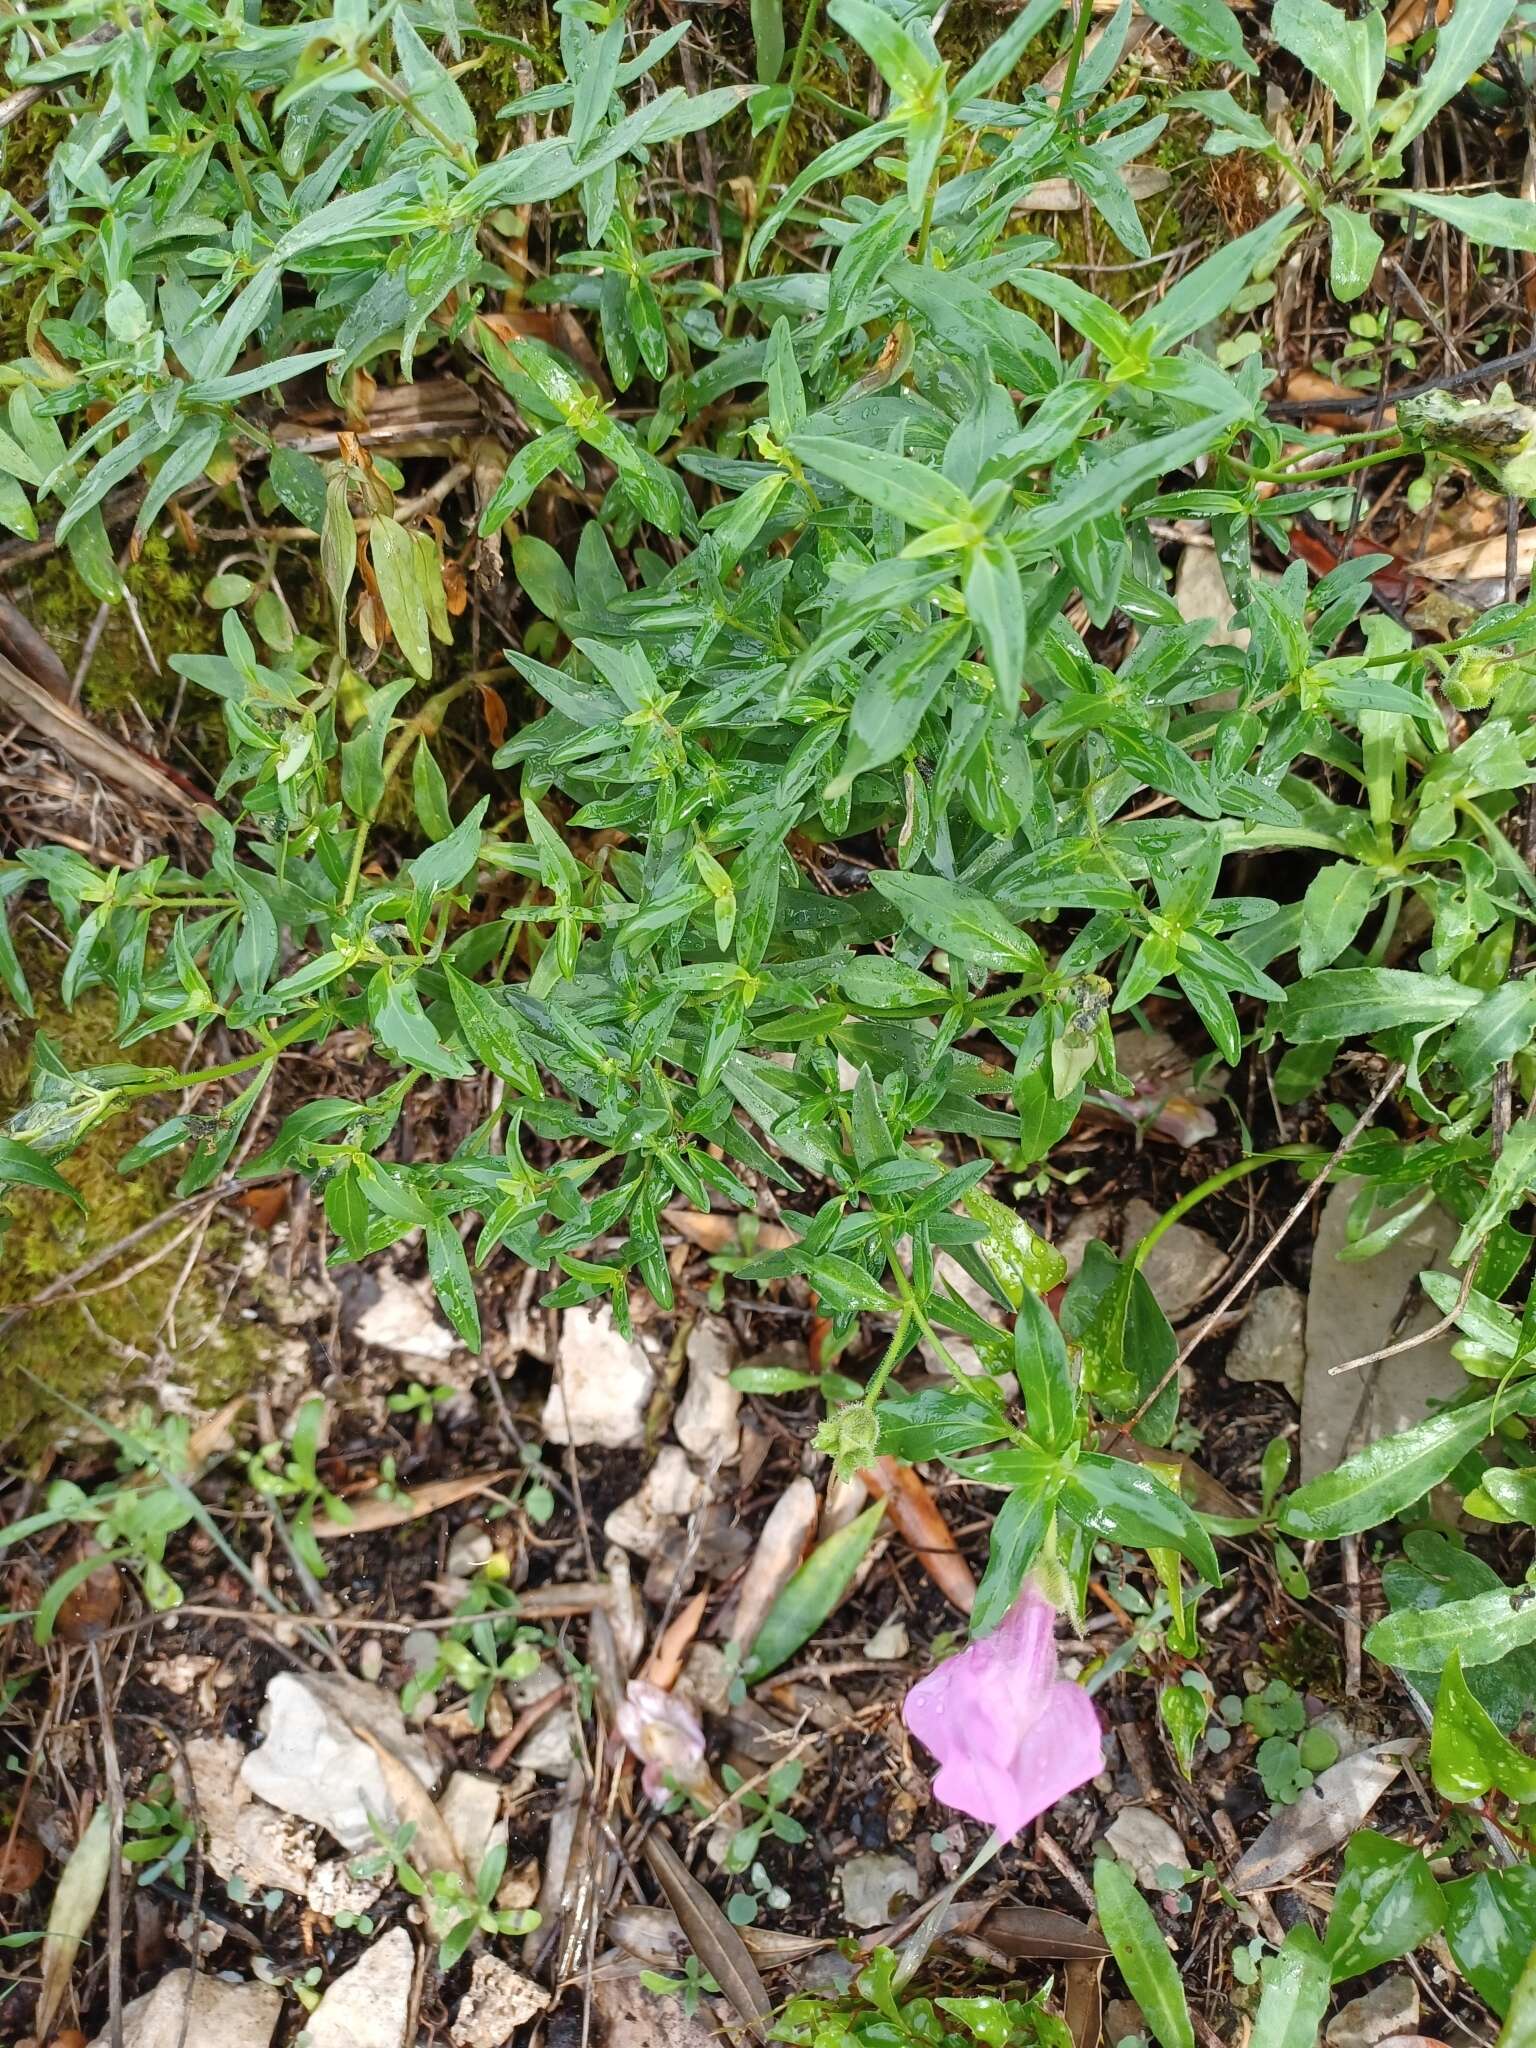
(449, 1268)
(1295, 1994)
(1141, 1955)
(395, 563)
(1490, 1928)
(1044, 1375)
(1389, 1475)
(917, 495)
(961, 922)
(1462, 45)
(1024, 1264)
(1351, 1002)
(1386, 1903)
(1130, 1504)
(403, 1028)
(1332, 911)
(1018, 1531)
(493, 1032)
(1494, 220)
(1468, 1754)
(1482, 1630)
(1208, 27)
(1348, 56)
(811, 1595)
(1354, 252)
(22, 1167)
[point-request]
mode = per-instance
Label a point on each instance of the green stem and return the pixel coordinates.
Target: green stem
(1236, 1171)
(776, 142)
(228, 1068)
(1075, 54)
(1320, 476)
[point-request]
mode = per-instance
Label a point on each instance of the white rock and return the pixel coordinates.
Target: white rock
(708, 1421)
(548, 1747)
(248, 1841)
(1182, 1267)
(669, 1493)
(333, 1889)
(890, 1639)
(230, 2015)
(1357, 1307)
(1387, 2009)
(469, 1548)
(499, 2000)
(603, 1384)
(707, 1678)
(871, 1887)
(368, 2006)
(1271, 1345)
(405, 1322)
(314, 1765)
(1145, 1843)
(471, 1811)
(845, 1501)
(1200, 592)
(780, 1548)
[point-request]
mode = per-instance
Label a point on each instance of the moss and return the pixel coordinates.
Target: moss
(1306, 1657)
(26, 146)
(166, 584)
(99, 1345)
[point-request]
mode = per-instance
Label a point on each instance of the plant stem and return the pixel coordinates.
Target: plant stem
(764, 177)
(1236, 1171)
(1075, 54)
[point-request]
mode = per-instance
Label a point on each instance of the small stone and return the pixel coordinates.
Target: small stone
(780, 1547)
(499, 2000)
(233, 2015)
(1271, 1345)
(1200, 592)
(471, 1811)
(333, 1889)
(708, 1420)
(1389, 2008)
(670, 1492)
(470, 1548)
(890, 1639)
(1181, 1268)
(707, 1678)
(520, 1886)
(248, 1841)
(1145, 1843)
(603, 1384)
(1123, 2022)
(872, 1884)
(547, 1748)
(368, 2006)
(404, 1322)
(314, 1764)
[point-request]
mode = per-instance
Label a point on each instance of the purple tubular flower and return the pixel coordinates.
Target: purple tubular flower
(662, 1732)
(1011, 1735)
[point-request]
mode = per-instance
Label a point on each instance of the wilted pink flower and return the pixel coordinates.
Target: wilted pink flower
(1012, 1736)
(663, 1733)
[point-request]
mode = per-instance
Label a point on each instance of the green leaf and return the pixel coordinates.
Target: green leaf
(1385, 1905)
(935, 1422)
(768, 39)
(1389, 1475)
(1354, 252)
(895, 695)
(1483, 1629)
(1141, 1955)
(1348, 56)
(1463, 44)
(449, 1268)
(811, 1595)
(1468, 1753)
(1044, 1375)
(493, 1032)
(917, 495)
(1018, 1531)
(960, 921)
(1022, 1262)
(1208, 27)
(1492, 219)
(1130, 1504)
(21, 1167)
(402, 1027)
(395, 563)
(1295, 1994)
(298, 482)
(1332, 911)
(450, 861)
(1490, 1928)
(1352, 1002)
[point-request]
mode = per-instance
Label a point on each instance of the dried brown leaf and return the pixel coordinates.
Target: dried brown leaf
(716, 1943)
(1083, 2003)
(74, 1907)
(431, 1845)
(915, 1515)
(370, 1516)
(1043, 1934)
(1325, 1815)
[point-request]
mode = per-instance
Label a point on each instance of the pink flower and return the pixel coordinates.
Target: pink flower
(663, 1733)
(1012, 1736)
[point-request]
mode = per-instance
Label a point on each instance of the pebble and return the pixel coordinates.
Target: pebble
(1146, 1844)
(1271, 1345)
(708, 1419)
(368, 2006)
(1389, 2008)
(498, 2001)
(872, 1884)
(603, 1383)
(234, 2015)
